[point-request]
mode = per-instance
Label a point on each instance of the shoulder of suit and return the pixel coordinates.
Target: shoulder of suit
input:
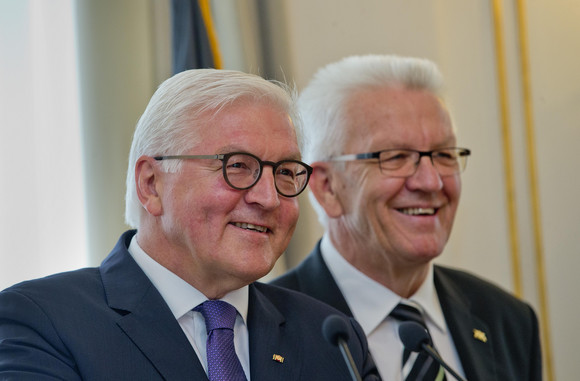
(476, 288)
(61, 286)
(310, 266)
(285, 299)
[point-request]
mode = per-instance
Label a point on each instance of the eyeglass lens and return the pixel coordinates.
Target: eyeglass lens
(242, 171)
(403, 163)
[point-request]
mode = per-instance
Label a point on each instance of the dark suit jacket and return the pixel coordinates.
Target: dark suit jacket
(510, 349)
(111, 323)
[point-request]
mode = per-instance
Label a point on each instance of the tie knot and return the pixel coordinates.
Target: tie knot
(217, 314)
(405, 312)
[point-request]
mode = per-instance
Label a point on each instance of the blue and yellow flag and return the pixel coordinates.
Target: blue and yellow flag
(195, 43)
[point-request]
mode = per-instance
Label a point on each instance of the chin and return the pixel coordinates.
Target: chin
(428, 257)
(426, 252)
(431, 254)
(253, 271)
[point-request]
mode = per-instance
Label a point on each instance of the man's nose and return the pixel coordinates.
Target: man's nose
(264, 192)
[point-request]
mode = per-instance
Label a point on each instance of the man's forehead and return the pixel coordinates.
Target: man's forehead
(381, 125)
(238, 128)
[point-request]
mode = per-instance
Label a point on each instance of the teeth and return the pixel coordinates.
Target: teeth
(418, 211)
(244, 225)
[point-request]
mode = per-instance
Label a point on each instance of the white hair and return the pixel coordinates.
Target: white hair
(179, 109)
(322, 103)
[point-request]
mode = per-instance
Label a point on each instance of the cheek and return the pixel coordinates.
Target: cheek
(452, 186)
(453, 193)
(384, 191)
(287, 218)
(356, 193)
(380, 202)
(202, 210)
(290, 213)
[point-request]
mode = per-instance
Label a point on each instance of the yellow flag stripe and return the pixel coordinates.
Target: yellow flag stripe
(205, 8)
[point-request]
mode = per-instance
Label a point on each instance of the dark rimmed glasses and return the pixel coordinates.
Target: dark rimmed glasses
(242, 170)
(404, 162)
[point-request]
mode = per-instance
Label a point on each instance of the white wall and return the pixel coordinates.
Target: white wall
(117, 71)
(555, 59)
(42, 228)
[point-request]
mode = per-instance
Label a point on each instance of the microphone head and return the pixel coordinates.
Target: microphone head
(334, 328)
(413, 335)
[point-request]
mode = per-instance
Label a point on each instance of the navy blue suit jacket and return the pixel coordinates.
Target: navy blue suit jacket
(495, 334)
(111, 323)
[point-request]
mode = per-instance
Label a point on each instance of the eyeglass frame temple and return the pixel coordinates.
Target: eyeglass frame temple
(376, 154)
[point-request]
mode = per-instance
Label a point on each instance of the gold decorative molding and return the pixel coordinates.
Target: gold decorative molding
(532, 169)
(507, 146)
(533, 184)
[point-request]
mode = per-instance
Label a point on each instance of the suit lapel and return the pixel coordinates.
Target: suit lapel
(145, 317)
(275, 352)
(467, 330)
(313, 273)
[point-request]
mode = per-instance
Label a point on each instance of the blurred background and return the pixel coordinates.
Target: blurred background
(75, 75)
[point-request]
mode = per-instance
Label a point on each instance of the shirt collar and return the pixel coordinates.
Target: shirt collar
(428, 301)
(362, 293)
(180, 296)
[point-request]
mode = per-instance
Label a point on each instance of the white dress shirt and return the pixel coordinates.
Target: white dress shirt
(371, 303)
(182, 298)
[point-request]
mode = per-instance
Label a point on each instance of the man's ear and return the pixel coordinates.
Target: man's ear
(147, 182)
(322, 185)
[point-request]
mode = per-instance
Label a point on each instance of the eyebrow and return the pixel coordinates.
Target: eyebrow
(232, 148)
(446, 143)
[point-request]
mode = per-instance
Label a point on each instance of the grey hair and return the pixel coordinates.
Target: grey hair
(322, 103)
(179, 109)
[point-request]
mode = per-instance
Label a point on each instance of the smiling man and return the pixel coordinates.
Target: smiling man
(213, 173)
(386, 185)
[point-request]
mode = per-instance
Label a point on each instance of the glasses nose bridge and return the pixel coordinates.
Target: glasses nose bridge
(271, 164)
(429, 154)
(262, 164)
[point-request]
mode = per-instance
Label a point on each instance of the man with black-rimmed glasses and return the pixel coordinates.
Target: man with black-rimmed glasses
(213, 175)
(386, 185)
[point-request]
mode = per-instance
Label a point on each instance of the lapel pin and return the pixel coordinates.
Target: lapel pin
(278, 358)
(479, 335)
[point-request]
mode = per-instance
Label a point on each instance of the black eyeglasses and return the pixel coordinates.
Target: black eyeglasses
(404, 162)
(242, 171)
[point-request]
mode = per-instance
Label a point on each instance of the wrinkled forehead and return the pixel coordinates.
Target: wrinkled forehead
(396, 116)
(249, 126)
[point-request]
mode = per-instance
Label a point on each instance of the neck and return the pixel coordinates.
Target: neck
(213, 284)
(400, 276)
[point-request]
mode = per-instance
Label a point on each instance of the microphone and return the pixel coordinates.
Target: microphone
(415, 337)
(335, 331)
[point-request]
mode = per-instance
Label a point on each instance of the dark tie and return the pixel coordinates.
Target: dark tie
(222, 362)
(417, 366)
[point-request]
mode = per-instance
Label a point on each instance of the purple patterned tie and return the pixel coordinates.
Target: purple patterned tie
(222, 362)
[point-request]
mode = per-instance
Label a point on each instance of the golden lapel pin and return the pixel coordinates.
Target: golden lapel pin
(278, 358)
(479, 335)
